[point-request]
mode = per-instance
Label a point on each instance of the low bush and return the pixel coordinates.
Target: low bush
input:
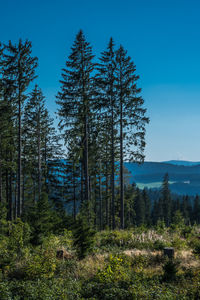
(170, 269)
(196, 247)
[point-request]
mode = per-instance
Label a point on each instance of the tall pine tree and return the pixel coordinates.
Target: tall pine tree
(132, 119)
(76, 100)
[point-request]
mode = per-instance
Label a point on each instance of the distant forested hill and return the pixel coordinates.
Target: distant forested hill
(184, 176)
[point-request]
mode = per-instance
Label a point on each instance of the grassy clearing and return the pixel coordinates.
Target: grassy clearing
(123, 265)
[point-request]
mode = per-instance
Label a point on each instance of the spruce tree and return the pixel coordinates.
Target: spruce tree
(19, 68)
(166, 200)
(83, 237)
(41, 152)
(186, 209)
(76, 100)
(34, 134)
(106, 81)
(147, 203)
(196, 210)
(132, 119)
(40, 217)
(129, 202)
(139, 208)
(7, 135)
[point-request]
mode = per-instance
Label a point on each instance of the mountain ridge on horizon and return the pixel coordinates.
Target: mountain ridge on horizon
(182, 162)
(184, 176)
(176, 162)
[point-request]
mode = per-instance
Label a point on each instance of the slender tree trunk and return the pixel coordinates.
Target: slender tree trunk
(34, 192)
(19, 204)
(100, 199)
(110, 206)
(87, 197)
(82, 183)
(1, 189)
(46, 167)
(121, 169)
(39, 158)
(95, 201)
(1, 183)
(74, 194)
(107, 201)
(113, 167)
(10, 204)
(15, 201)
(23, 191)
(7, 188)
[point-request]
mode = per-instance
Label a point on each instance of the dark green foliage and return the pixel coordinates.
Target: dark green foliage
(159, 245)
(147, 203)
(40, 217)
(3, 220)
(107, 105)
(129, 194)
(196, 247)
(19, 71)
(83, 238)
(139, 208)
(186, 209)
(40, 289)
(196, 210)
(166, 200)
(170, 269)
(76, 103)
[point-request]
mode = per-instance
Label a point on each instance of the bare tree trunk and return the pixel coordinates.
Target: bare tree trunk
(39, 158)
(113, 168)
(87, 197)
(23, 191)
(100, 199)
(34, 192)
(121, 169)
(10, 204)
(74, 194)
(95, 201)
(107, 201)
(82, 183)
(19, 204)
(1, 189)
(15, 201)
(7, 188)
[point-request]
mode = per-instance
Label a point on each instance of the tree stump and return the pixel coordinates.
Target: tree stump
(169, 252)
(63, 254)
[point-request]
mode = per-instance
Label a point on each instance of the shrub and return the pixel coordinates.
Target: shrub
(159, 245)
(170, 269)
(196, 247)
(19, 235)
(42, 264)
(116, 270)
(41, 289)
(118, 238)
(83, 238)
(178, 243)
(139, 261)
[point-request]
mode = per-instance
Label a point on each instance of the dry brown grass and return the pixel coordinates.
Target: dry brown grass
(90, 265)
(187, 259)
(132, 252)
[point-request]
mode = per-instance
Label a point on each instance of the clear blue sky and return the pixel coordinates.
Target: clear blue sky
(162, 37)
